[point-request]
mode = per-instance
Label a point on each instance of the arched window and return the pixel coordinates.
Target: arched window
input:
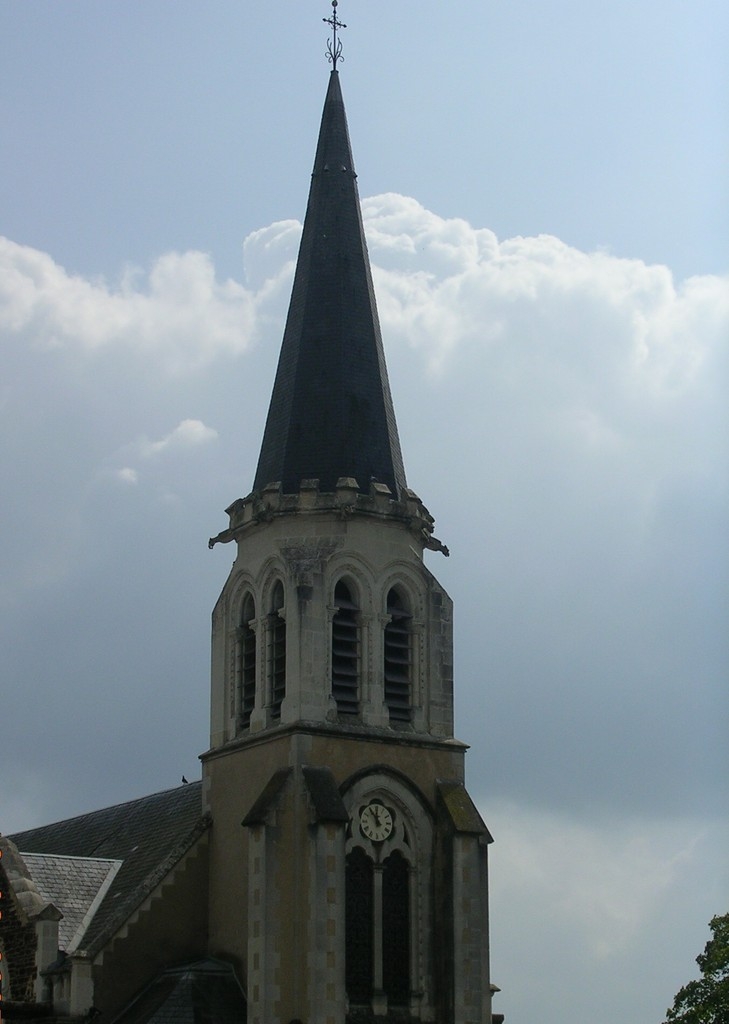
(398, 658)
(389, 887)
(359, 919)
(277, 650)
(246, 663)
(345, 651)
(396, 929)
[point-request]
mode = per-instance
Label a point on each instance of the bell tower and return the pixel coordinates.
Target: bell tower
(348, 877)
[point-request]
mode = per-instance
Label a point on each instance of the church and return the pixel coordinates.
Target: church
(330, 866)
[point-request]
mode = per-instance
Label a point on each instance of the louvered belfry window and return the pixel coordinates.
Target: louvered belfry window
(345, 651)
(398, 658)
(277, 650)
(246, 663)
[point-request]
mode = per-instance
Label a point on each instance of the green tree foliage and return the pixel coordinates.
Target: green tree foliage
(706, 1001)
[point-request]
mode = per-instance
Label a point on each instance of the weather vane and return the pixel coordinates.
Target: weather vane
(334, 45)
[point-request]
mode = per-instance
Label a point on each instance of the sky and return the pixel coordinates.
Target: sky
(545, 199)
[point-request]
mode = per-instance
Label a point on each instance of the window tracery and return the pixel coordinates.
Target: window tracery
(388, 907)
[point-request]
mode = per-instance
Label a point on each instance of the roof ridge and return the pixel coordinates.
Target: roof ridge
(71, 856)
(100, 810)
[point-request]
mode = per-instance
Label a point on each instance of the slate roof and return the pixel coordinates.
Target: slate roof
(76, 886)
(196, 993)
(149, 836)
(331, 412)
(268, 798)
(321, 785)
(462, 811)
(324, 793)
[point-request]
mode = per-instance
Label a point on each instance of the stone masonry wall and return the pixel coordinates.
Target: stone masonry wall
(18, 945)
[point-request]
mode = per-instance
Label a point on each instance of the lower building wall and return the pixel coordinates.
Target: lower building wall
(170, 928)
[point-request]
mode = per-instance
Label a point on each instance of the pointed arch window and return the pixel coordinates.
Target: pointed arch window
(345, 650)
(246, 662)
(398, 658)
(378, 927)
(277, 650)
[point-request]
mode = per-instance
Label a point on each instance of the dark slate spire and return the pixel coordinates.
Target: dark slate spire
(331, 412)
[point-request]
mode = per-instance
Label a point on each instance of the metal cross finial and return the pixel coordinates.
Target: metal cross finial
(334, 45)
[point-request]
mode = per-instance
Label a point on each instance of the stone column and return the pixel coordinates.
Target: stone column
(326, 944)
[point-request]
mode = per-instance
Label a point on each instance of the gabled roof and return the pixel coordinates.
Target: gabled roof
(331, 412)
(268, 799)
(324, 793)
(76, 886)
(149, 836)
(461, 810)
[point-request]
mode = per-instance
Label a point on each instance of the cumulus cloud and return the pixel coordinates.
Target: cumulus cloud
(446, 287)
(178, 313)
(443, 287)
(562, 414)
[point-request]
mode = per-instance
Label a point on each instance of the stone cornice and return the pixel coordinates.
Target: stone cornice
(359, 734)
(261, 507)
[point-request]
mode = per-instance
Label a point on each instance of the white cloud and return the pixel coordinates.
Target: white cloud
(563, 411)
(187, 434)
(562, 414)
(408, 237)
(445, 287)
(178, 315)
(269, 254)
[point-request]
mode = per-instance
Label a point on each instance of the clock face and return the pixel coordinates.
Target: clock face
(376, 822)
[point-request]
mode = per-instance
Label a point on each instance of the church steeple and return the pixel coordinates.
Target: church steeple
(357, 891)
(331, 412)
